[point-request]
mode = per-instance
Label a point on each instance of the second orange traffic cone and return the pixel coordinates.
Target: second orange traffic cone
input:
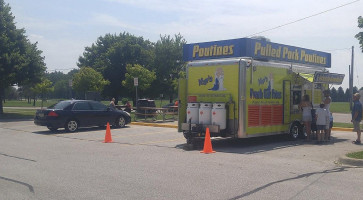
(207, 143)
(108, 138)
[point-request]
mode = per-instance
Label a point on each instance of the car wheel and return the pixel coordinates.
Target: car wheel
(52, 128)
(121, 122)
(71, 125)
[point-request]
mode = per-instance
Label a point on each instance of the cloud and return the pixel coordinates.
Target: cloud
(108, 20)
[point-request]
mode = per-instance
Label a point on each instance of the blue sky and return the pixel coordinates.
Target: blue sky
(63, 28)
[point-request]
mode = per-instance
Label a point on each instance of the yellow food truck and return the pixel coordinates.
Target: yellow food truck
(245, 88)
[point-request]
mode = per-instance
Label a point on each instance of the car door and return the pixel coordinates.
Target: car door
(83, 113)
(100, 113)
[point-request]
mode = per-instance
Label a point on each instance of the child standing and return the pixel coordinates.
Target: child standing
(322, 120)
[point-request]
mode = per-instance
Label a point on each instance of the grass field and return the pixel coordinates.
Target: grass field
(25, 103)
(11, 113)
(356, 155)
(340, 107)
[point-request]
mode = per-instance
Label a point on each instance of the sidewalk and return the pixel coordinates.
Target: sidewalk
(342, 117)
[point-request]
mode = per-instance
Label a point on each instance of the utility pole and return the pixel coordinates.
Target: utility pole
(351, 75)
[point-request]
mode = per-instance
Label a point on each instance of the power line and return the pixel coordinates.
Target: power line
(304, 18)
(339, 49)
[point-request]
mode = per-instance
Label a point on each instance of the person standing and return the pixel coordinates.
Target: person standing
(128, 107)
(357, 116)
(327, 101)
(322, 120)
(112, 103)
(306, 107)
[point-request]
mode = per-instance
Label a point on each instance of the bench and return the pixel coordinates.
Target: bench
(147, 112)
(171, 110)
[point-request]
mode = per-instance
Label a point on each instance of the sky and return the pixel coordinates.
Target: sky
(63, 28)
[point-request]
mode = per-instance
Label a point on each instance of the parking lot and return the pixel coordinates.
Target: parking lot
(151, 163)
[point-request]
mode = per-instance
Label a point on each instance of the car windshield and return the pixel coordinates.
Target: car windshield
(60, 105)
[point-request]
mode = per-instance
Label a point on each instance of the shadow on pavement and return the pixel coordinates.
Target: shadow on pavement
(256, 145)
(80, 130)
(15, 119)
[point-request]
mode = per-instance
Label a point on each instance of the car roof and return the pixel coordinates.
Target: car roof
(74, 100)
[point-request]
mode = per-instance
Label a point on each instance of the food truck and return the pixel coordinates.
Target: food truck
(244, 88)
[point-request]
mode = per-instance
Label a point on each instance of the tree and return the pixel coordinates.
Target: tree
(110, 55)
(20, 61)
(334, 94)
(61, 84)
(61, 89)
(168, 64)
(26, 92)
(42, 88)
(87, 79)
(346, 96)
(359, 35)
(11, 93)
(145, 78)
(340, 96)
(262, 38)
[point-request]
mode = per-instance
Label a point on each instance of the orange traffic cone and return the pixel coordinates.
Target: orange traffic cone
(108, 138)
(207, 143)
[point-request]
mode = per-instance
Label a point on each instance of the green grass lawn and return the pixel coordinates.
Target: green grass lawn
(10, 113)
(340, 107)
(24, 103)
(356, 155)
(343, 125)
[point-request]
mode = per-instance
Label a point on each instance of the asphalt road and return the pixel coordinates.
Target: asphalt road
(150, 163)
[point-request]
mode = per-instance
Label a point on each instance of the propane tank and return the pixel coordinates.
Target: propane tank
(192, 113)
(219, 115)
(205, 111)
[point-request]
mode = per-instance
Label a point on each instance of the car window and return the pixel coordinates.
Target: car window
(98, 106)
(81, 106)
(60, 105)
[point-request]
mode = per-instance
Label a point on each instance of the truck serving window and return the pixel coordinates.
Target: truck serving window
(296, 97)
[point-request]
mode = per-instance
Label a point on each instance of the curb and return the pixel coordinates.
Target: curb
(342, 129)
(154, 124)
(350, 161)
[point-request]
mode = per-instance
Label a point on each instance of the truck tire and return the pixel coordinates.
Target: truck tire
(303, 134)
(295, 131)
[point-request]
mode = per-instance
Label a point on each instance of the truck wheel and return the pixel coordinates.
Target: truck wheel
(295, 130)
(302, 133)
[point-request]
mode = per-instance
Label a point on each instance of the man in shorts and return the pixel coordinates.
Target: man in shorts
(357, 116)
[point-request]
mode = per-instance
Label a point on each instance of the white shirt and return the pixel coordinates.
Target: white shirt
(322, 116)
(327, 106)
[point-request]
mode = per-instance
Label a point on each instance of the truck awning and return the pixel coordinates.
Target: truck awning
(308, 77)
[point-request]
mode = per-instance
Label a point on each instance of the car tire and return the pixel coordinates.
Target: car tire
(71, 125)
(52, 128)
(120, 122)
